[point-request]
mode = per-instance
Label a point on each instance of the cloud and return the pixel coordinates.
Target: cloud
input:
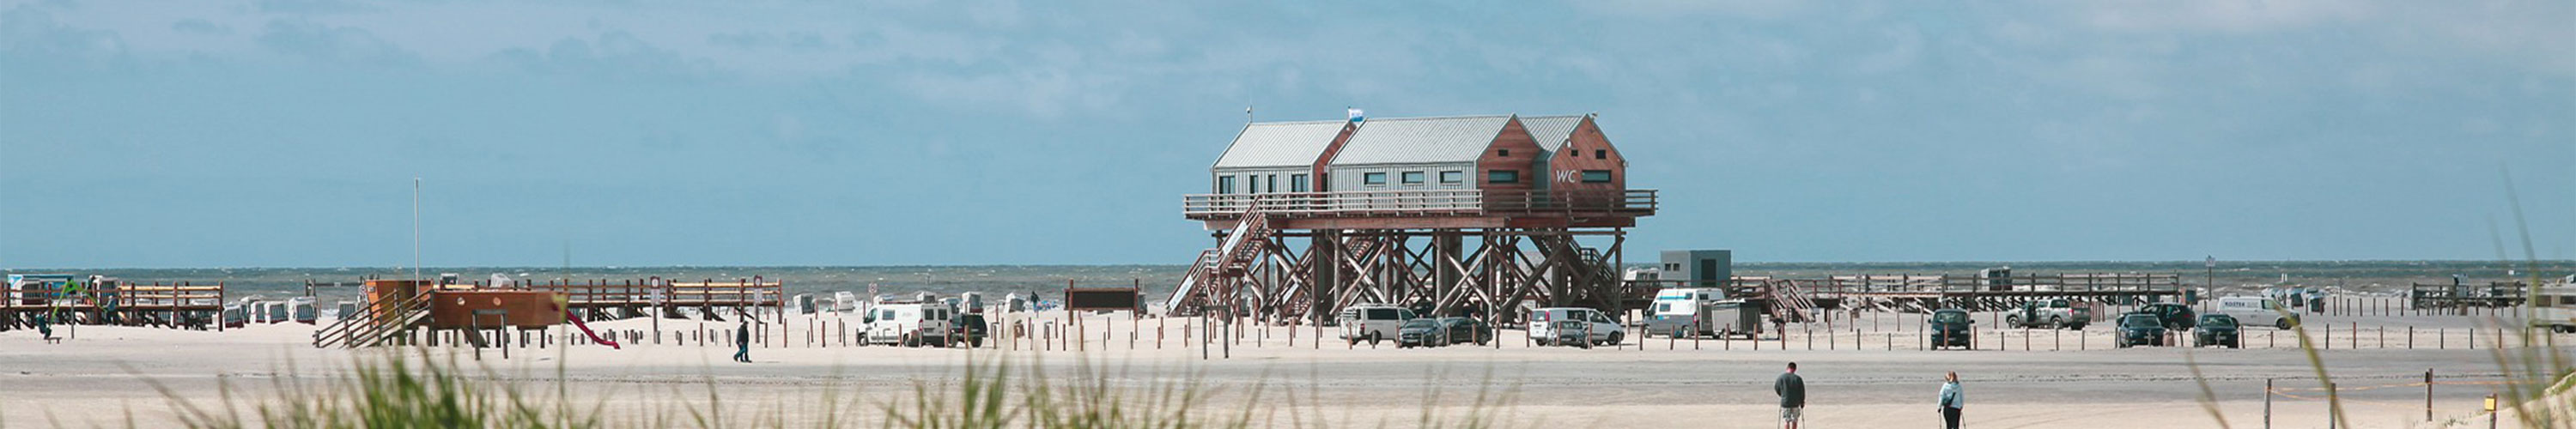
(754, 39)
(201, 27)
(30, 31)
(314, 7)
(321, 42)
(610, 54)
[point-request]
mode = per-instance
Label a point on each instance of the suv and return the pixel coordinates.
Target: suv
(1950, 329)
(2216, 330)
(971, 326)
(1372, 322)
(2141, 329)
(2172, 316)
(2055, 313)
(909, 325)
(1575, 326)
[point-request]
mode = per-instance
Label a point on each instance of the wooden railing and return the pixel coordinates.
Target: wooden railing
(1422, 202)
(372, 323)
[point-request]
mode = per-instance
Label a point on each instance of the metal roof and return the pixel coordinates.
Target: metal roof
(1280, 144)
(1421, 140)
(1551, 131)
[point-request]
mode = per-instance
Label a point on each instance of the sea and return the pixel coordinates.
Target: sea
(1048, 281)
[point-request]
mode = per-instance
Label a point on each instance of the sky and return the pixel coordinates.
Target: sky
(287, 133)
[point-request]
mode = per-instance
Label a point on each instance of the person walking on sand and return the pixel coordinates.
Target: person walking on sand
(742, 342)
(1952, 399)
(1793, 396)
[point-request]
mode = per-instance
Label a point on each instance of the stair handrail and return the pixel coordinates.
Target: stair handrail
(369, 320)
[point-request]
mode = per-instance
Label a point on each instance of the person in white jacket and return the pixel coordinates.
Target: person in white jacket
(1952, 399)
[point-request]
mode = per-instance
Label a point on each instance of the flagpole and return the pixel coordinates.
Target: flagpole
(415, 229)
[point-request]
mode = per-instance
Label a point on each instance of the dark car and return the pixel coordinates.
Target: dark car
(972, 326)
(2216, 330)
(2141, 329)
(1950, 329)
(2173, 316)
(1456, 330)
(1423, 332)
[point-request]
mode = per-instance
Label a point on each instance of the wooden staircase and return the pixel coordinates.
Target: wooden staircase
(1789, 302)
(1217, 269)
(374, 324)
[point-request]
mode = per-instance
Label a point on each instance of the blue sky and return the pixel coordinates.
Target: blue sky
(287, 132)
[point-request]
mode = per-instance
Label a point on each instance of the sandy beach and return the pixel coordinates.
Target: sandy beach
(1874, 379)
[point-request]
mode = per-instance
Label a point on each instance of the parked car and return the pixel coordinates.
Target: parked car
(2055, 313)
(2216, 330)
(1951, 329)
(2141, 329)
(971, 328)
(2172, 316)
(2262, 311)
(1372, 322)
(909, 324)
(1423, 332)
(1458, 330)
(1575, 326)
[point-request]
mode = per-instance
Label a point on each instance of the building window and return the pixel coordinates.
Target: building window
(1412, 177)
(1600, 154)
(1452, 176)
(1271, 183)
(1373, 179)
(1224, 184)
(1503, 176)
(1502, 152)
(1296, 183)
(1596, 176)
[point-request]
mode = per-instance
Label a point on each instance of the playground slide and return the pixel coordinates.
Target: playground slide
(585, 329)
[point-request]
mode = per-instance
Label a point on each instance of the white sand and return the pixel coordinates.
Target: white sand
(98, 376)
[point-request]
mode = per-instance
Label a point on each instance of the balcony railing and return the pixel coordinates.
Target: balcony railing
(1634, 202)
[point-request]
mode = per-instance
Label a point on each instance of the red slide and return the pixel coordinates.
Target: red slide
(585, 329)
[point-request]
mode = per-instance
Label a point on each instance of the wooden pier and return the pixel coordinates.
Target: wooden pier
(175, 305)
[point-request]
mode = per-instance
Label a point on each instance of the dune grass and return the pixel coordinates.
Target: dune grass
(414, 388)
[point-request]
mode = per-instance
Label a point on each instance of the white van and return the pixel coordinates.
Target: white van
(909, 324)
(1575, 326)
(1372, 322)
(2257, 311)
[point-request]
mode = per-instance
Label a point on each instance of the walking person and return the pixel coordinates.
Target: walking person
(1793, 396)
(1952, 399)
(742, 342)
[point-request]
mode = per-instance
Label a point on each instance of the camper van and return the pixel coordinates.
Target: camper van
(1575, 326)
(909, 324)
(2257, 311)
(2554, 307)
(1699, 312)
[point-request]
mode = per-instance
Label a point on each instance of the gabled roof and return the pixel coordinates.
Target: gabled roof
(1280, 144)
(1551, 132)
(1421, 140)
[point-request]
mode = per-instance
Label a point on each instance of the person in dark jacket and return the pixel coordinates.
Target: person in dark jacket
(1793, 396)
(742, 342)
(1953, 398)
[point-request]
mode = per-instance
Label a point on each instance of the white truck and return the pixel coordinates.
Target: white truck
(1574, 326)
(2257, 311)
(1372, 322)
(912, 324)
